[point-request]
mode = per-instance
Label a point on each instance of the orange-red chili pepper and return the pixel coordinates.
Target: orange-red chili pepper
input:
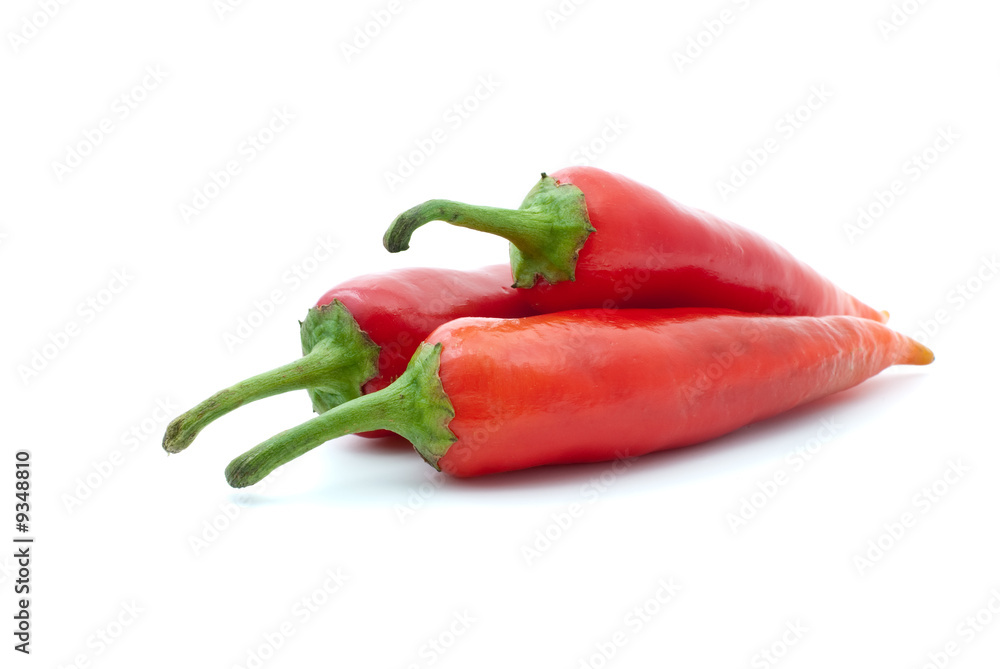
(360, 338)
(598, 239)
(486, 395)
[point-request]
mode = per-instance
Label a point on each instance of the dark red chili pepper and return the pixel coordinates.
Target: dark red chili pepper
(361, 337)
(599, 239)
(485, 395)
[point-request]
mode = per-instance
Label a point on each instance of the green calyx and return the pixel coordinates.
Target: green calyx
(339, 358)
(546, 233)
(333, 327)
(414, 406)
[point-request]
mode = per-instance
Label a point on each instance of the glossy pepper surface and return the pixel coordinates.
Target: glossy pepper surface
(360, 337)
(585, 237)
(483, 395)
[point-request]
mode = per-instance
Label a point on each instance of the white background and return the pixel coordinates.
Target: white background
(171, 566)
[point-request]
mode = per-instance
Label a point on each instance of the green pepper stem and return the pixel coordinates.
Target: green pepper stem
(338, 359)
(310, 370)
(414, 406)
(518, 226)
(546, 233)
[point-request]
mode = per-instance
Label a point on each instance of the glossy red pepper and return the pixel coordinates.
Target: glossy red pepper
(485, 395)
(361, 336)
(598, 239)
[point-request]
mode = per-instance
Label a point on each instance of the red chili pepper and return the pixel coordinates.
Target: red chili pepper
(599, 239)
(361, 337)
(484, 395)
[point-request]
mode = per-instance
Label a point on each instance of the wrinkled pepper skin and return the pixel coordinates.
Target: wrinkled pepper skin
(482, 396)
(651, 251)
(587, 238)
(589, 386)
